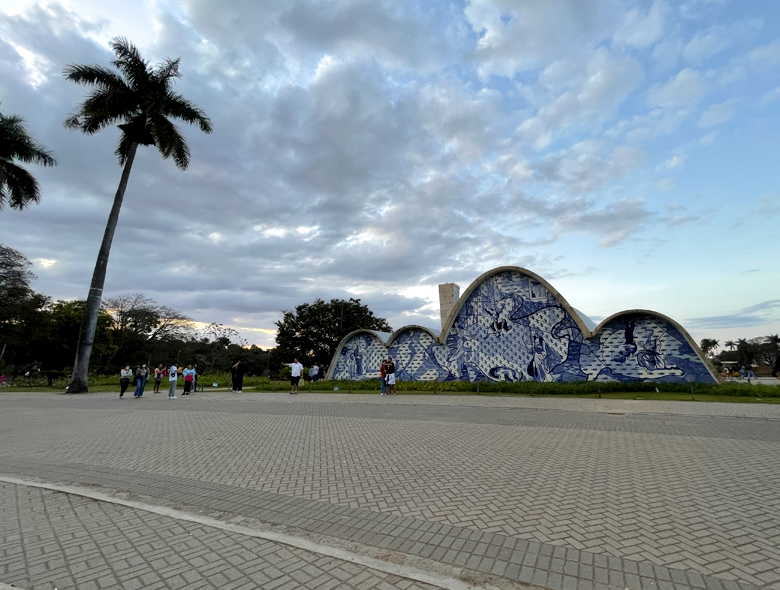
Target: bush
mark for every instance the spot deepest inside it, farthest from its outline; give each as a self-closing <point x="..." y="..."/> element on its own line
<point x="534" y="388"/>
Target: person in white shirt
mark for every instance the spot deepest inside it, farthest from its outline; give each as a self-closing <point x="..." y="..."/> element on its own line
<point x="295" y="375"/>
<point x="124" y="380"/>
<point x="173" y="376"/>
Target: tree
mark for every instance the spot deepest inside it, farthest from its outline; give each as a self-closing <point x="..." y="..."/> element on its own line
<point x="141" y="99"/>
<point x="708" y="345"/>
<point x="313" y="331"/>
<point x="15" y="274"/>
<point x="55" y="350"/>
<point x="145" y="318"/>
<point x="20" y="306"/>
<point x="139" y="322"/>
<point x="773" y="340"/>
<point x="219" y="338"/>
<point x="17" y="186"/>
<point x="730" y="344"/>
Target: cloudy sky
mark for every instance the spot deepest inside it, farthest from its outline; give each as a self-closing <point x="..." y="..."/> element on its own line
<point x="625" y="150"/>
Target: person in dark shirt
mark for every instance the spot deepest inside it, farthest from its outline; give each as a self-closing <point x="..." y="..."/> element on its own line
<point x="390" y="376"/>
<point x="237" y="376"/>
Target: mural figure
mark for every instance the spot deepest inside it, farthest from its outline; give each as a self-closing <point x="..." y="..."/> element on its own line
<point x="511" y="326"/>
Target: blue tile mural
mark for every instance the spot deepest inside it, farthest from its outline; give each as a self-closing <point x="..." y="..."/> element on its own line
<point x="510" y="326"/>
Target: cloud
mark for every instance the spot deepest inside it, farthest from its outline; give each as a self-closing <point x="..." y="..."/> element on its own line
<point x="719" y="113"/>
<point x="515" y="37"/>
<point x="687" y="88"/>
<point x="674" y="162"/>
<point x="362" y="147"/>
<point x="583" y="168"/>
<point x="765" y="57"/>
<point x="592" y="94"/>
<point x="708" y="139"/>
<point x="755" y="315"/>
<point x="767" y="207"/>
<point x="769" y="97"/>
<point x="642" y="28"/>
<point x="614" y="223"/>
<point x="705" y="44"/>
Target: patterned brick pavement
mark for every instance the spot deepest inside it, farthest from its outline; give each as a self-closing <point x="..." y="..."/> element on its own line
<point x="694" y="493"/>
<point x="53" y="540"/>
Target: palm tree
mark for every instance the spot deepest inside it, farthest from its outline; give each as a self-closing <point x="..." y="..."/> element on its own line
<point x="141" y="99"/>
<point x="707" y="345"/>
<point x="730" y="344"/>
<point x="17" y="186"/>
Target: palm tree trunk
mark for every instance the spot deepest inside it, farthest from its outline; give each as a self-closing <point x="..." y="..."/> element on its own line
<point x="78" y="381"/>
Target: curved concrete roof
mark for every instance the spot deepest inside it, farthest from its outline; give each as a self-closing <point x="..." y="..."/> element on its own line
<point x="484" y="276"/>
<point x="584" y="323"/>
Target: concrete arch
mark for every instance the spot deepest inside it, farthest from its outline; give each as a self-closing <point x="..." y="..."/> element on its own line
<point x="485" y="276"/>
<point x="549" y="341"/>
<point x="346" y="340"/>
<point x="666" y="318"/>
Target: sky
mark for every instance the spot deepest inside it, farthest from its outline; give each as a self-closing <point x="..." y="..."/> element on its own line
<point x="624" y="150"/>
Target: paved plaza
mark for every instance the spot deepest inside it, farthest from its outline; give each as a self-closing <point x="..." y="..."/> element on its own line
<point x="358" y="491"/>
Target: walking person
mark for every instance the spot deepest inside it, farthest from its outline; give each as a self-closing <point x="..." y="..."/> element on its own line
<point x="383" y="377"/>
<point x="296" y="370"/>
<point x="124" y="380"/>
<point x="195" y="378"/>
<point x="159" y="371"/>
<point x="237" y="376"/>
<point x="314" y="373"/>
<point x="141" y="377"/>
<point x="390" y="376"/>
<point x="189" y="378"/>
<point x="173" y="376"/>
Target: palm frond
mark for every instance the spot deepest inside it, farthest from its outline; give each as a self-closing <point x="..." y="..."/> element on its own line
<point x="167" y="71"/>
<point x="129" y="61"/>
<point x="16" y="144"/>
<point x="179" y="107"/>
<point x="170" y="142"/>
<point x="18" y="187"/>
<point x="139" y="99"/>
<point x="97" y="76"/>
<point x="122" y="152"/>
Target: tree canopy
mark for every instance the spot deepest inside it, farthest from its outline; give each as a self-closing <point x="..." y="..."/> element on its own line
<point x="131" y="329"/>
<point x="313" y="331"/>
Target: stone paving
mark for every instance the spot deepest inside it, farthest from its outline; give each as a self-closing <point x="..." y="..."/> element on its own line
<point x="687" y="488"/>
<point x="53" y="540"/>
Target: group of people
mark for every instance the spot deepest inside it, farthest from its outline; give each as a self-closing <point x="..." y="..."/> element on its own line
<point x="141" y="376"/>
<point x="387" y="376"/>
<point x="741" y="373"/>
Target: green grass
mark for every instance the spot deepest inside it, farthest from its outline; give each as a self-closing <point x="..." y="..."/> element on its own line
<point x="724" y="392"/>
<point x="733" y="392"/>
